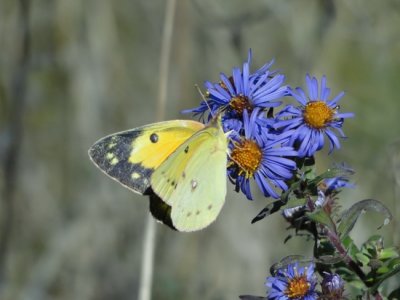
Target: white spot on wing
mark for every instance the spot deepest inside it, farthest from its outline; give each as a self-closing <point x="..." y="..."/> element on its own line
<point x="193" y="184"/>
<point x="135" y="175"/>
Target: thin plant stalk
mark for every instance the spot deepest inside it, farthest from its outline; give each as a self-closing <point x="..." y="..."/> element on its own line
<point x="149" y="243"/>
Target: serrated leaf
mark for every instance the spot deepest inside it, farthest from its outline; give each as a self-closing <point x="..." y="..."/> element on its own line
<point x="293" y="202"/>
<point x="359" y="285"/>
<point x="392" y="271"/>
<point x="321" y="217"/>
<point x="388" y="253"/>
<point x="362" y="258"/>
<point x="382" y="270"/>
<point x="350" y="216"/>
<point x="352" y="249"/>
<point x="268" y="210"/>
<point x="394" y="263"/>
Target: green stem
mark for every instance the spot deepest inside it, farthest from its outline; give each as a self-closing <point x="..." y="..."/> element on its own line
<point x="334" y="239"/>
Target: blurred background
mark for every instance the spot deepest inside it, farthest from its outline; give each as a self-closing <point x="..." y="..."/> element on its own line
<point x="73" y="71"/>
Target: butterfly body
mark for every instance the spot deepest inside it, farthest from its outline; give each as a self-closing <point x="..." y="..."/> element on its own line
<point x="182" y="162"/>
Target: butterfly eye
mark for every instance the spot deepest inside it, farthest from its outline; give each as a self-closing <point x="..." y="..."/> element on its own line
<point x="187" y="149"/>
<point x="154" y="138"/>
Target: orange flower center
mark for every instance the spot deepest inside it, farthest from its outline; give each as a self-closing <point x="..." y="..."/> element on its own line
<point x="247" y="155"/>
<point x="240" y="103"/>
<point x="298" y="287"/>
<point x="317" y="114"/>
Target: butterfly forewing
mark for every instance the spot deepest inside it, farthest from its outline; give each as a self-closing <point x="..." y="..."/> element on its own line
<point x="131" y="156"/>
<point x="192" y="180"/>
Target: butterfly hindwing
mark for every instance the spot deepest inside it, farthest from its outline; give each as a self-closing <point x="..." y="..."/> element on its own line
<point x="130" y="157"/>
<point x="192" y="180"/>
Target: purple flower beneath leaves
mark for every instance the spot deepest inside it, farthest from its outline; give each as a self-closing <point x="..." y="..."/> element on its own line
<point x="243" y="91"/>
<point x="292" y="283"/>
<point x="332" y="287"/>
<point x="253" y="155"/>
<point x="317" y="117"/>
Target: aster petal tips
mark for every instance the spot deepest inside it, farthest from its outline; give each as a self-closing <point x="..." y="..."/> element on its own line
<point x="244" y="90"/>
<point x="315" y="119"/>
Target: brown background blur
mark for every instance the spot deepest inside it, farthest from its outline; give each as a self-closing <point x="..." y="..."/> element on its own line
<point x="73" y="71"/>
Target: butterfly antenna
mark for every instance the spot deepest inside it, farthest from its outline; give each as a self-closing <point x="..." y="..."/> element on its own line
<point x="204" y="99"/>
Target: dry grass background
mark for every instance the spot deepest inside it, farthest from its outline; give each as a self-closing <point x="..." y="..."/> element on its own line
<point x="91" y="68"/>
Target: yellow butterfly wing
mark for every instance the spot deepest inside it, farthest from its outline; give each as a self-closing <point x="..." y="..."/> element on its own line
<point x="130" y="157"/>
<point x="192" y="180"/>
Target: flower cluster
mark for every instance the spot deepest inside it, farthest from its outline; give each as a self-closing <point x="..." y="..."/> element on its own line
<point x="300" y="283"/>
<point x="263" y="147"/>
<point x="274" y="144"/>
<point x="293" y="282"/>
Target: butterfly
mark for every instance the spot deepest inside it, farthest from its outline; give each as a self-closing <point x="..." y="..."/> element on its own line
<point x="180" y="164"/>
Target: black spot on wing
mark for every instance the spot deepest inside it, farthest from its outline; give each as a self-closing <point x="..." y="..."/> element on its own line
<point x="160" y="210"/>
<point x="121" y="169"/>
<point x="154" y="138"/>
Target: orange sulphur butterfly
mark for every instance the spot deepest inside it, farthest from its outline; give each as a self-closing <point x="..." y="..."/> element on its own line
<point x="180" y="162"/>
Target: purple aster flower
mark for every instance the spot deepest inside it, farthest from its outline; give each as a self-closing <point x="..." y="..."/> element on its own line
<point x="332" y="287"/>
<point x="293" y="282"/>
<point x="243" y="91"/>
<point x="315" y="118"/>
<point x="254" y="156"/>
<point x="335" y="183"/>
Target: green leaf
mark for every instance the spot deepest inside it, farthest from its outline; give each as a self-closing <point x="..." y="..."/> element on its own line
<point x="388" y="266"/>
<point x="309" y="169"/>
<point x="394" y="263"/>
<point x="392" y="270"/>
<point x="362" y="258"/>
<point x="268" y="210"/>
<point x="383" y="270"/>
<point x="357" y="284"/>
<point x="350" y="216"/>
<point x="388" y="253"/>
<point x="352" y="249"/>
<point x="292" y="187"/>
<point x="321" y="217"/>
<point x="293" y="202"/>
